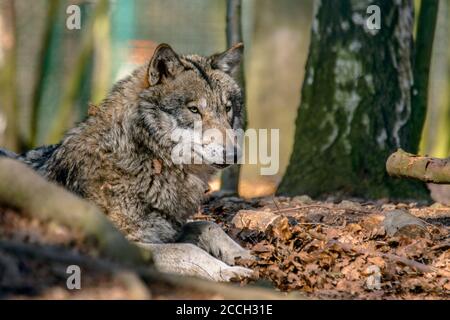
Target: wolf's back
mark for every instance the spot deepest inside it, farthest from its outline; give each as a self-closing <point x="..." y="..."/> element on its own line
<point x="7" y="153"/>
<point x="35" y="158"/>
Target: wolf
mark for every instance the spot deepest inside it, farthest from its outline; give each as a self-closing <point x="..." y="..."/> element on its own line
<point x="120" y="158"/>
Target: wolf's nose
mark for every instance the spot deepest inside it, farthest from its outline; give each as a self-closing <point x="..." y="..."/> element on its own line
<point x="236" y="154"/>
<point x="231" y="155"/>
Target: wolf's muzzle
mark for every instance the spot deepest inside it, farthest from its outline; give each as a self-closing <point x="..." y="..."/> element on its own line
<point x="229" y="158"/>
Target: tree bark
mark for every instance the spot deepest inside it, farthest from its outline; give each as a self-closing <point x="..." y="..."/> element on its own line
<point x="356" y="103"/>
<point x="406" y="165"/>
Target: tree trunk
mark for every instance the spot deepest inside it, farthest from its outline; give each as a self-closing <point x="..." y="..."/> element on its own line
<point x="44" y="68"/>
<point x="436" y="134"/>
<point x="356" y="103"/>
<point x="72" y="88"/>
<point x="8" y="93"/>
<point x="422" y="61"/>
<point x="230" y="176"/>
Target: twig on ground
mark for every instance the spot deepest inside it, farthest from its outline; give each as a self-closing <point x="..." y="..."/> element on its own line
<point x="318" y="206"/>
<point x="411" y="263"/>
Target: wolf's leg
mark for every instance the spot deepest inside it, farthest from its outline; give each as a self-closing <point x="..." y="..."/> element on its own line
<point x="187" y="259"/>
<point x="211" y="238"/>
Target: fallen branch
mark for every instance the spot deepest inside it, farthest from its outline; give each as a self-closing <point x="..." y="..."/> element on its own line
<point x="318" y="206"/>
<point x="406" y="165"/>
<point x="408" y="262"/>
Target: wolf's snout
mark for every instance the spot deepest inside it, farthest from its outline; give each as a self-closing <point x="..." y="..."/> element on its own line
<point x="220" y="156"/>
<point x="232" y="155"/>
<point x="220" y="148"/>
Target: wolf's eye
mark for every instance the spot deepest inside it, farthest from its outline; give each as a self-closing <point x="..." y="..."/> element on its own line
<point x="193" y="109"/>
<point x="228" y="109"/>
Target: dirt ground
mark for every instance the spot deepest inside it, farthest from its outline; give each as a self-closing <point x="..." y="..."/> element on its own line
<point x="330" y="249"/>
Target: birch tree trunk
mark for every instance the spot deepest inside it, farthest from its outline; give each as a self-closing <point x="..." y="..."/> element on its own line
<point x="356" y="103"/>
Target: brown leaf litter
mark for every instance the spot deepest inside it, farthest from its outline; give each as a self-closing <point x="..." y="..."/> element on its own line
<point x="341" y="250"/>
<point x="321" y="248"/>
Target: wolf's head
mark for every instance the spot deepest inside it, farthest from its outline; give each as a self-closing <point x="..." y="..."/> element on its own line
<point x="193" y="104"/>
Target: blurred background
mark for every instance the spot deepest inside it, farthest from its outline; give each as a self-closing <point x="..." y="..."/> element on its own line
<point x="49" y="74"/>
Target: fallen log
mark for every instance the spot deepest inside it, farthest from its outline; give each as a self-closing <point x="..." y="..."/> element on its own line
<point x="406" y="165"/>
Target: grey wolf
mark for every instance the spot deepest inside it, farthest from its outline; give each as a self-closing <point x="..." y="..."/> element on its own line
<point x="120" y="158"/>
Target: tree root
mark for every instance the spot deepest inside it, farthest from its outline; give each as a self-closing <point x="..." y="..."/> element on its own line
<point x="147" y="274"/>
<point x="23" y="189"/>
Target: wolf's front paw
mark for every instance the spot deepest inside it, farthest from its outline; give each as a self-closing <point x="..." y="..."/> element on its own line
<point x="229" y="256"/>
<point x="229" y="273"/>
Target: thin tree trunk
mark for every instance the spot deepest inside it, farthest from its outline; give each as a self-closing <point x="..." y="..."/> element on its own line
<point x="424" y="46"/>
<point x="72" y="88"/>
<point x="436" y="133"/>
<point x="230" y="176"/>
<point x="102" y="54"/>
<point x="43" y="65"/>
<point x="356" y="103"/>
<point x="8" y="78"/>
<point x="448" y="108"/>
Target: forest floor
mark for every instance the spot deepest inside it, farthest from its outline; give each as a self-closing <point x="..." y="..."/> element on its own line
<point x="321" y="249"/>
<point x="341" y="250"/>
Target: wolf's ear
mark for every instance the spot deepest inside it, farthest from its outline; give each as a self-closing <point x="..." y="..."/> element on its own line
<point x="164" y="64"/>
<point x="228" y="61"/>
